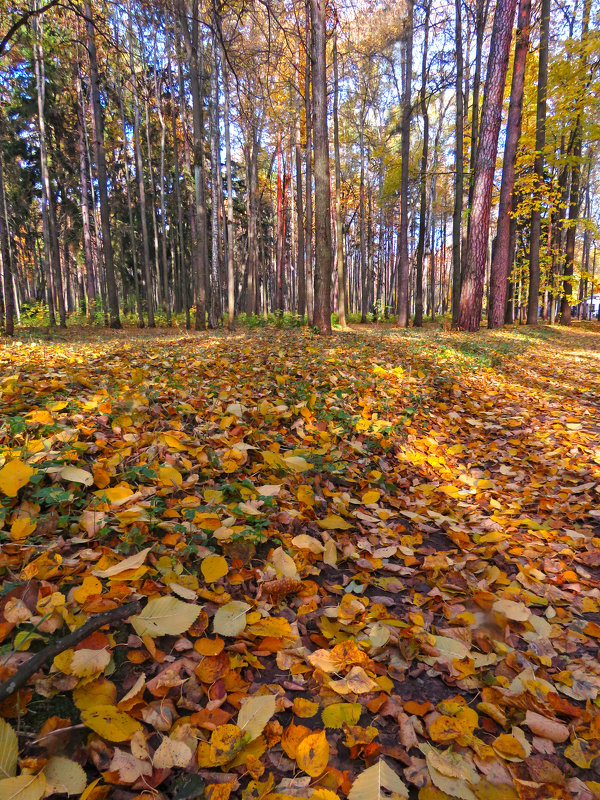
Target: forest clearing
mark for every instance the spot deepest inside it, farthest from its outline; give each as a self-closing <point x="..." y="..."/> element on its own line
<point x="299" y="399"/>
<point x="358" y="563"/>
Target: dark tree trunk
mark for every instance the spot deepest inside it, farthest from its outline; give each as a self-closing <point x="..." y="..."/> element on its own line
<point x="308" y="236"/>
<point x="139" y="174"/>
<point x="540" y="143"/>
<point x="459" y="167"/>
<point x="100" y="155"/>
<point x="500" y="260"/>
<point x="403" y="260"/>
<point x="90" y="286"/>
<point x="423" y="177"/>
<point x="471" y="297"/>
<point x="230" y="259"/>
<point x="300" y="221"/>
<point x="362" y="210"/>
<point x="574" y="198"/>
<point x="339" y="228"/>
<point x="322" y="278"/>
<point x="9" y="296"/>
<point x="191" y="35"/>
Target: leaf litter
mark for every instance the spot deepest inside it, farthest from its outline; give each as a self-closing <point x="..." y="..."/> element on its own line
<point x="368" y="567"/>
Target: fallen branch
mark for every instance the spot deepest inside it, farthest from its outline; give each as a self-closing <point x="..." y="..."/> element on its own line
<point x="37" y="661"/>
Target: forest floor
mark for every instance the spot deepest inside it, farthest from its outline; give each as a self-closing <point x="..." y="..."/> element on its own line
<point x="373" y="555"/>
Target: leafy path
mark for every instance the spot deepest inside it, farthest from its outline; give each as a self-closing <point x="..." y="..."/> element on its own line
<point x="368" y="556"/>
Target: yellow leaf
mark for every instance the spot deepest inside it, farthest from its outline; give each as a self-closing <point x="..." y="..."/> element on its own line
<point x="21" y="528"/>
<point x="509" y="747"/>
<point x="117" y="495"/>
<point x="214" y="568"/>
<point x="305" y="495"/>
<point x="312" y="754"/>
<point x="9" y="750"/>
<point x="255" y="713"/>
<point x="304" y="708"/>
<point x="64" y="776"/>
<point x="165" y="616"/>
<point x="110" y="722"/>
<point x="277" y="627"/>
<point x="356" y="682"/>
<point x="87" y="663"/>
<point x="89" y="588"/>
<point x="330" y="553"/>
<point x="172" y="753"/>
<point x="339" y="714"/>
<point x="369" y="783"/>
<point x="230" y="619"/>
<point x="13" y="476"/>
<point x="582" y="753"/>
<point x="334" y="522"/>
<point x="297" y="463"/>
<point x="76" y="475"/>
<point x="25" y="787"/>
<point x="100" y="692"/>
<point x="225" y="743"/>
<point x="284" y="564"/>
<point x="169" y="476"/>
<point x="133" y="562"/>
<point x="305" y="542"/>
<point x="517" y="612"/>
<point x="372" y="496"/>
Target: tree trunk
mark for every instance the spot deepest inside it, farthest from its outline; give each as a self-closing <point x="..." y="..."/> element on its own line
<point x="500" y="259"/>
<point x="9" y="297"/>
<point x="100" y="155"/>
<point x="230" y="259"/>
<point x="132" y="236"/>
<point x="403" y="260"/>
<point x="139" y="174"/>
<point x="339" y="238"/>
<point x="215" y="182"/>
<point x="491" y="116"/>
<point x="423" y="177"/>
<point x="90" y="287"/>
<point x="300" y="221"/>
<point x="481" y="13"/>
<point x="308" y="237"/>
<point x="279" y="232"/>
<point x="459" y="174"/>
<point x="163" y="207"/>
<point x="574" y="198"/>
<point x="49" y="218"/>
<point x="322" y="277"/>
<point x="362" y="210"/>
<point x="540" y="143"/>
<point x="191" y="37"/>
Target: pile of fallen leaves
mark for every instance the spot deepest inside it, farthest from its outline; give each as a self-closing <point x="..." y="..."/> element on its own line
<point x="366" y="566"/>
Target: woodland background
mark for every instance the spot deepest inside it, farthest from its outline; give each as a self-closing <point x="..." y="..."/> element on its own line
<point x="200" y="161"/>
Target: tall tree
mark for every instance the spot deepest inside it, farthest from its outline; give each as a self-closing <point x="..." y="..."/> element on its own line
<point x="51" y="244"/>
<point x="423" y="175"/>
<point x="322" y="277"/>
<point x="540" y="144"/>
<point x="458" y="169"/>
<point x="339" y="226"/>
<point x="471" y="296"/>
<point x="403" y="259"/>
<point x="139" y="175"/>
<point x="501" y="256"/>
<point x="7" y="277"/>
<point x="575" y="193"/>
<point x="100" y="157"/>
